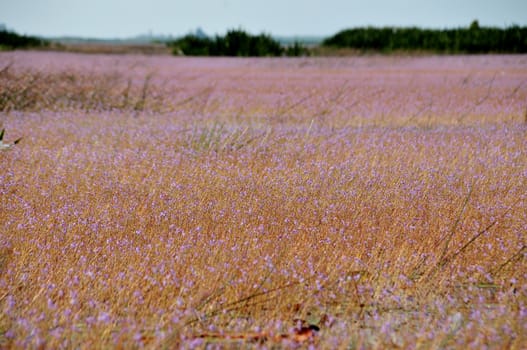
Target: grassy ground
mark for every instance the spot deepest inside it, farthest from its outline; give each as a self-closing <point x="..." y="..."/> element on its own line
<point x="166" y="202"/>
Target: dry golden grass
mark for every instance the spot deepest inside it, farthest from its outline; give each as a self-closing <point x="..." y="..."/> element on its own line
<point x="256" y="196"/>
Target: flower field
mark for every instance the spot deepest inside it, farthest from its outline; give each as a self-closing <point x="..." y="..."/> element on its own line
<point x="176" y="202"/>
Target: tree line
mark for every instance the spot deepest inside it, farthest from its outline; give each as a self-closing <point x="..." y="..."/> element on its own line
<point x="11" y="40"/>
<point x="474" y="39"/>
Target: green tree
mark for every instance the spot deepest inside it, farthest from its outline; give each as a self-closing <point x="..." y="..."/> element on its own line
<point x="474" y="39"/>
<point x="234" y="43"/>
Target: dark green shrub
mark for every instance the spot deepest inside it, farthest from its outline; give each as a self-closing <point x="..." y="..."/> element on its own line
<point x="11" y="40"/>
<point x="234" y="43"/>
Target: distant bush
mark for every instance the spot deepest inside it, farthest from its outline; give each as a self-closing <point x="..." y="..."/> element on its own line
<point x="11" y="40"/>
<point x="234" y="43"/>
<point x="474" y="39"/>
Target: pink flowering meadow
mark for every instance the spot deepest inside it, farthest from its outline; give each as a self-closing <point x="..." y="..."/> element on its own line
<point x="170" y="202"/>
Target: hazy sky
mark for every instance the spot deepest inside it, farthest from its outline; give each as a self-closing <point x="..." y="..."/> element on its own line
<point x="126" y="18"/>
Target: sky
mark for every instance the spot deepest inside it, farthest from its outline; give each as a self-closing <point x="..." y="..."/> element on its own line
<point x="129" y="18"/>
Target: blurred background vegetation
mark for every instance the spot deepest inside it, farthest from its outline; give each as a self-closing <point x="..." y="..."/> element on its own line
<point x="473" y="39"/>
<point x="234" y="43"/>
<point x="10" y="40"/>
